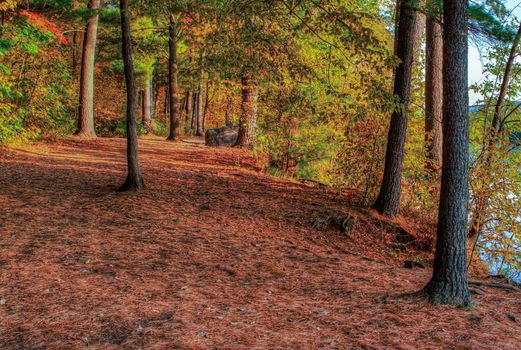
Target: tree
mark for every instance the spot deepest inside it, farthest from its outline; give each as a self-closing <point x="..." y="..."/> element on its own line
<point x="199" y="100"/>
<point x="188" y="110"/>
<point x="449" y="280"/>
<point x="388" y="201"/>
<point x="433" y="93"/>
<point x="248" y="118"/>
<point x="86" y="110"/>
<point x="228" y="111"/>
<point x="478" y="219"/>
<point x="134" y="180"/>
<point x="172" y="79"/>
<point x="146" y="99"/>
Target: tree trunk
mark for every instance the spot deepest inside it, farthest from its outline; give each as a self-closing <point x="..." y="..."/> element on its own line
<point x="165" y="105"/>
<point x="206" y="104"/>
<point x="188" y="105"/>
<point x="74" y="63"/>
<point x="229" y="110"/>
<point x="172" y="78"/>
<point x="199" y="124"/>
<point x="147" y="107"/>
<point x="134" y="180"/>
<point x="248" y="119"/>
<point x="188" y="111"/>
<point x="194" y="111"/>
<point x="86" y="110"/>
<point x="433" y="95"/>
<point x="496" y="120"/>
<point x="199" y="120"/>
<point x="449" y="283"/>
<point x="388" y="201"/>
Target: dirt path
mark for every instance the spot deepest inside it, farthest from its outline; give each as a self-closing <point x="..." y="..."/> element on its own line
<point x="213" y="254"/>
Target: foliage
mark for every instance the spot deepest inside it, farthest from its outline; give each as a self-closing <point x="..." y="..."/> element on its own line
<point x="35" y="82"/>
<point x="495" y="176"/>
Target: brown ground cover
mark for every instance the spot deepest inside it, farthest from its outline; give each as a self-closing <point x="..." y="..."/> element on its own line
<point x="212" y="254"/>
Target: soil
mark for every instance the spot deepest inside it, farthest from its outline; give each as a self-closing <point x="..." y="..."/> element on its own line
<point x="212" y="254"/>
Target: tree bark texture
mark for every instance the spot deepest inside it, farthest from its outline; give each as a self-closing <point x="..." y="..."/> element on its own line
<point x="449" y="283"/>
<point x="433" y="94"/>
<point x="86" y="109"/>
<point x="134" y="181"/>
<point x="248" y="118"/>
<point x="172" y="79"/>
<point x="388" y="201"/>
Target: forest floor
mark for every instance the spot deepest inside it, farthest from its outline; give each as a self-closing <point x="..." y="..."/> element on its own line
<point x="212" y="254"/>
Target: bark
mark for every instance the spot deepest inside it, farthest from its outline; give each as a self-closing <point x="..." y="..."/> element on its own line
<point x="433" y="95"/>
<point x="449" y="284"/>
<point x="86" y="110"/>
<point x="388" y="201"/>
<point x="248" y="119"/>
<point x="172" y="79"/>
<point x="134" y="180"/>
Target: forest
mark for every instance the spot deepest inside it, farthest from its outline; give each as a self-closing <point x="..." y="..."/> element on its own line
<point x="260" y="174"/>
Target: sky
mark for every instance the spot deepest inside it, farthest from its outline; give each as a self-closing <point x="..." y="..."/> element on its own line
<point x="475" y="63"/>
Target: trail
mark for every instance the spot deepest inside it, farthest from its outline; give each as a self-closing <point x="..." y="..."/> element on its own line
<point x="212" y="254"/>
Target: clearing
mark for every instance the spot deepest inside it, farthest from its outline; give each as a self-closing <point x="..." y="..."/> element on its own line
<point x="212" y="254"/>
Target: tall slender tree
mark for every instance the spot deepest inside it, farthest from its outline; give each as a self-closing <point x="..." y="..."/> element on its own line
<point x="172" y="79"/>
<point x="199" y="101"/>
<point x="388" y="201"/>
<point x="449" y="283"/>
<point x="134" y="180"/>
<point x="146" y="95"/>
<point x="86" y="110"/>
<point x="433" y="93"/>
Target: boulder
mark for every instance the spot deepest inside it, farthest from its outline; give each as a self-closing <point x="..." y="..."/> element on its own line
<point x="225" y="136"/>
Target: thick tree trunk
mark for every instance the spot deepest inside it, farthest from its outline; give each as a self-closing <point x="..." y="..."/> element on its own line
<point x="134" y="180"/>
<point x="147" y="107"/>
<point x="248" y="119"/>
<point x="172" y="78"/>
<point x="388" y="201"/>
<point x="229" y="110"/>
<point x="449" y="283"/>
<point x="86" y="110"/>
<point x="433" y="94"/>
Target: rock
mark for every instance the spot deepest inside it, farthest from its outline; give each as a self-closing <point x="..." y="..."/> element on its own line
<point x="342" y="223"/>
<point x="410" y="264"/>
<point x="225" y="136"/>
